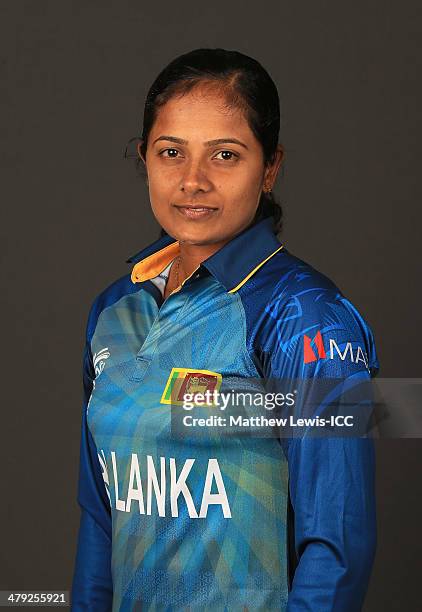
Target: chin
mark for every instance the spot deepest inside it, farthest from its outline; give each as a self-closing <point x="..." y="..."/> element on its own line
<point x="196" y="235"/>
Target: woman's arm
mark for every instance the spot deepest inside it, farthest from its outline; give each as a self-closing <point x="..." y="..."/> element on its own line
<point x="333" y="498"/>
<point x="92" y="582"/>
<point x="321" y="340"/>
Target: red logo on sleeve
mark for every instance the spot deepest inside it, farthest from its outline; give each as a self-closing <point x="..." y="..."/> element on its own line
<point x="308" y="352"/>
<point x="314" y="349"/>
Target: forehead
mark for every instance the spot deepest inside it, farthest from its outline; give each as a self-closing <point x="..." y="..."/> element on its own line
<point x="201" y="113"/>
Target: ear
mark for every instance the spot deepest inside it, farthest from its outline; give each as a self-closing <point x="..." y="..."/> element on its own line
<point x="138" y="149"/>
<point x="273" y="169"/>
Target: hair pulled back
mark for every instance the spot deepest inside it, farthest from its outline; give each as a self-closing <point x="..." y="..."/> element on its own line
<point x="243" y="83"/>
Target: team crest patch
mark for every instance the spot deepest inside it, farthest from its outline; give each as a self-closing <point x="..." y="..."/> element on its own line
<point x="183" y="381"/>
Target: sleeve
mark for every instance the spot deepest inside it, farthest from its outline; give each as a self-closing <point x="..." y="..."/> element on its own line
<point x="331" y="479"/>
<point x="92" y="581"/>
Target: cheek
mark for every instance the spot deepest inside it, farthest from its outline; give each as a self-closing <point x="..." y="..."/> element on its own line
<point x="164" y="184"/>
<point x="232" y="189"/>
<point x="243" y="197"/>
<point x="159" y="199"/>
<point x="160" y="189"/>
<point x="246" y="183"/>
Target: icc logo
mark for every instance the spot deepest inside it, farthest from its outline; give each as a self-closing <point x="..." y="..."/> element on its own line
<point x="99" y="360"/>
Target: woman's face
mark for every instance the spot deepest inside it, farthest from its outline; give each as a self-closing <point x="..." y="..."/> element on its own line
<point x="203" y="154"/>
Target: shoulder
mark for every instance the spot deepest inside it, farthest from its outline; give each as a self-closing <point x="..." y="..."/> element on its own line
<point x="287" y="287"/>
<point x="110" y="295"/>
<point x="296" y="311"/>
<point x="298" y="291"/>
<point x="301" y="292"/>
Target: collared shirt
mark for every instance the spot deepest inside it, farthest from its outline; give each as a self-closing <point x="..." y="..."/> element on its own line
<point x="161" y="279"/>
<point x="228" y="516"/>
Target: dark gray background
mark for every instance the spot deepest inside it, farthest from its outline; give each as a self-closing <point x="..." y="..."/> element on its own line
<point x="74" y="77"/>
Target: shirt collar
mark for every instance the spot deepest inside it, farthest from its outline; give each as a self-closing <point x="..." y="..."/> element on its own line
<point x="232" y="265"/>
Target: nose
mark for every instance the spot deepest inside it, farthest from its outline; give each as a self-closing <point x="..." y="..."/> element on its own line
<point x="194" y="179"/>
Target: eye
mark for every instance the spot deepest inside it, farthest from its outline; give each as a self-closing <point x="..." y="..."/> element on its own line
<point x="230" y="153"/>
<point x="170" y="150"/>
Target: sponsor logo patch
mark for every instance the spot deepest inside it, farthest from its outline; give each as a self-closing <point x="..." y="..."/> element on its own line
<point x="315" y="349"/>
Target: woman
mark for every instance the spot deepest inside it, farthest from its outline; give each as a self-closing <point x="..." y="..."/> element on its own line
<point x="208" y="519"/>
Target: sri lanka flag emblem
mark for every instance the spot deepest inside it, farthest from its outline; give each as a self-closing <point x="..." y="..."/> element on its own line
<point x="185" y="381"/>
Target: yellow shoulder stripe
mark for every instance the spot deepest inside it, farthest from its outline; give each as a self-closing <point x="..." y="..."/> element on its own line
<point x="254" y="270"/>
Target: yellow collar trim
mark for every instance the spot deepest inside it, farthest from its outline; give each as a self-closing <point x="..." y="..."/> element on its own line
<point x="155" y="263"/>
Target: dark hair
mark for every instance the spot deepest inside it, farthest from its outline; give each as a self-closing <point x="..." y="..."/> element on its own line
<point x="244" y="83"/>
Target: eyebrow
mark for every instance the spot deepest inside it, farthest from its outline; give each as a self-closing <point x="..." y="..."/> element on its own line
<point x="208" y="143"/>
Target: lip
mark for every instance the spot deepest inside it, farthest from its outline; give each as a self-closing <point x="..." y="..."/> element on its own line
<point x="189" y="212"/>
<point x="198" y="205"/>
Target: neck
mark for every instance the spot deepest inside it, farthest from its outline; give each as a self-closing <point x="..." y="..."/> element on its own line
<point x="192" y="255"/>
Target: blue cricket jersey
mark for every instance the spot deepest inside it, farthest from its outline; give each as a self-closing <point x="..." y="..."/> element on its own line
<point x="220" y="522"/>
